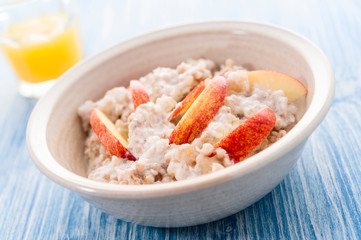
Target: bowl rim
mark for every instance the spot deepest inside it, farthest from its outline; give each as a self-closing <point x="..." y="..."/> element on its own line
<point x="317" y="110"/>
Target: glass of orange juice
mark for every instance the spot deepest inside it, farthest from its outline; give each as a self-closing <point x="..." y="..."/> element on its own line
<point x="41" y="40"/>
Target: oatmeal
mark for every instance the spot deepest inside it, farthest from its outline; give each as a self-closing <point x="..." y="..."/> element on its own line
<point x="180" y="123"/>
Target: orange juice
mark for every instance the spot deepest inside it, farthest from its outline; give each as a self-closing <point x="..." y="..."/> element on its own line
<point x="42" y="48"/>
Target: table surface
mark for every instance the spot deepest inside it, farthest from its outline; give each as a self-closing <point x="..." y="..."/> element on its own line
<point x="321" y="196"/>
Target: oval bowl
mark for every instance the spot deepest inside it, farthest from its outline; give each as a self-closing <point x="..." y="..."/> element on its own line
<point x="56" y="141"/>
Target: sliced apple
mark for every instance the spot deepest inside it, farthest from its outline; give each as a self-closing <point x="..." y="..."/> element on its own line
<point x="109" y="137"/>
<point x="183" y="106"/>
<point x="201" y="112"/>
<point x="273" y="80"/>
<point x="247" y="136"/>
<point x="139" y="95"/>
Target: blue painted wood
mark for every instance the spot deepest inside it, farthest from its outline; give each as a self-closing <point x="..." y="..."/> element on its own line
<point x="319" y="199"/>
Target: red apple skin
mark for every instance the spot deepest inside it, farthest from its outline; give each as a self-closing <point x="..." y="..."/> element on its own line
<point x="107" y="137"/>
<point x="187" y="101"/>
<point x="247" y="136"/>
<point x="139" y="95"/>
<point x="201" y="112"/>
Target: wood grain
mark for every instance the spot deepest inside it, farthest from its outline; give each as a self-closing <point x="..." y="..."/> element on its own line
<point x="319" y="199"/>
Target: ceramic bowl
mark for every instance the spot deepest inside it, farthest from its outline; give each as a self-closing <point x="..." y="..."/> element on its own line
<point x="55" y="138"/>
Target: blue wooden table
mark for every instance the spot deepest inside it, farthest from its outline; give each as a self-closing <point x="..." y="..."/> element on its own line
<point x="321" y="196"/>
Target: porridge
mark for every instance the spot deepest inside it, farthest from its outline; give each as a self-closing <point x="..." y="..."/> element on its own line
<point x="179" y="123"/>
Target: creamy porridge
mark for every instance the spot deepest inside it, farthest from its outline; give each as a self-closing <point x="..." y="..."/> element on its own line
<point x="167" y="133"/>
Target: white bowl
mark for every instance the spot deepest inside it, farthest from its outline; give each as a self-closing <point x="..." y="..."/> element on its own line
<point x="55" y="137"/>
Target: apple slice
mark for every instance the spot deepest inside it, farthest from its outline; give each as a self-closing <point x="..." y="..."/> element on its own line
<point x="201" y="112"/>
<point x="108" y="135"/>
<point x="187" y="101"/>
<point x="273" y="80"/>
<point x="247" y="136"/>
<point x="139" y="95"/>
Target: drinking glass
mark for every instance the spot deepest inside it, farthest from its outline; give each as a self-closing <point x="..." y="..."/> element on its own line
<point x="41" y="40"/>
